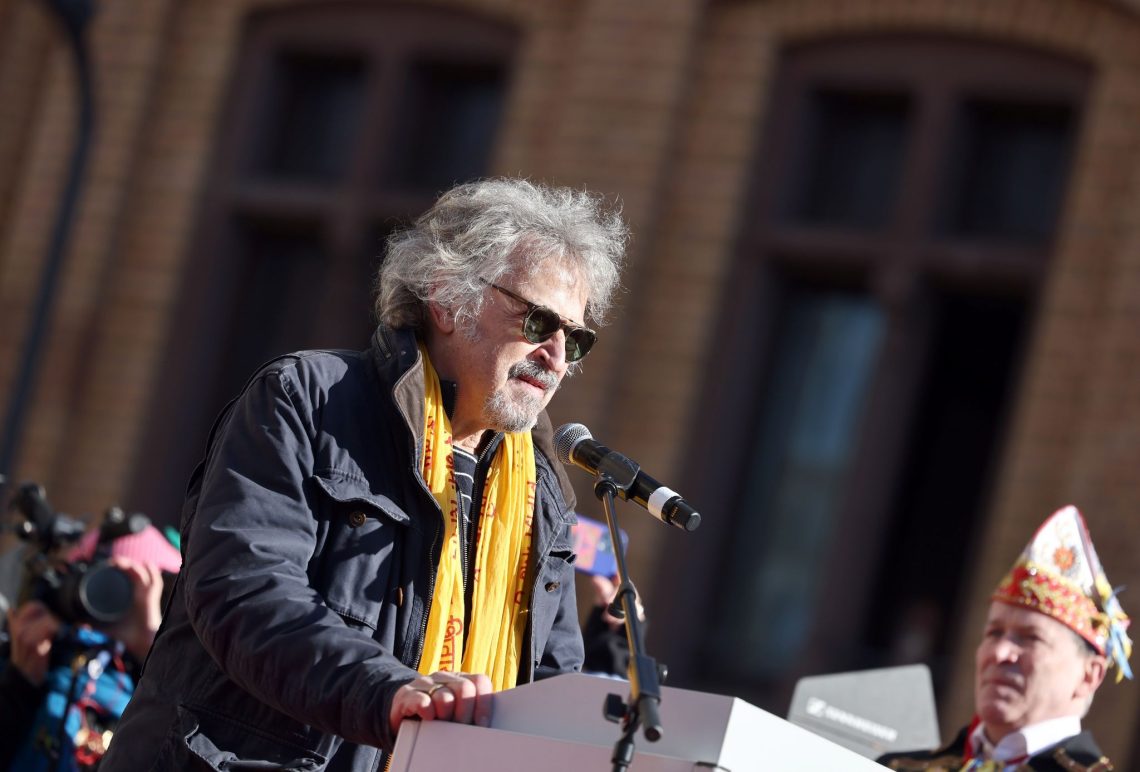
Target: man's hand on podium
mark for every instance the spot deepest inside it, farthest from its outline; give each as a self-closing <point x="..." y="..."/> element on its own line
<point x="461" y="697"/>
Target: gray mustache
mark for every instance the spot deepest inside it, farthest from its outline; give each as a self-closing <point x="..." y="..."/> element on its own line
<point x="534" y="371"/>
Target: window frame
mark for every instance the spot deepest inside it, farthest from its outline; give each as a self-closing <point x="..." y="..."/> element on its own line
<point x="347" y="214"/>
<point x="900" y="265"/>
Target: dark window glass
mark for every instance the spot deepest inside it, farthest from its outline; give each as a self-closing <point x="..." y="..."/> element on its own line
<point x="828" y="349"/>
<point x="281" y="268"/>
<point x="360" y="294"/>
<point x="949" y="460"/>
<point x="1008" y="180"/>
<point x="853" y="159"/>
<point x="314" y="117"/>
<point x="450" y="115"/>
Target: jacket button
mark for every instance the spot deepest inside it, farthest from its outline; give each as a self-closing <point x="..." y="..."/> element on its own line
<point x="357" y="518"/>
<point x="399" y="597"/>
<point x="552" y="586"/>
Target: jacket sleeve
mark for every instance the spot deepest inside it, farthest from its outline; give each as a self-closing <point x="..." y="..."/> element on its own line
<point x="248" y="593"/>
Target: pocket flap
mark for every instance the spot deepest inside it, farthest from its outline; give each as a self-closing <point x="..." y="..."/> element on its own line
<point x="352" y="490"/>
<point x="262" y="754"/>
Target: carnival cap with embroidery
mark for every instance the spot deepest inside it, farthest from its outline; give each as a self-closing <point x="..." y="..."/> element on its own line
<point x="1059" y="575"/>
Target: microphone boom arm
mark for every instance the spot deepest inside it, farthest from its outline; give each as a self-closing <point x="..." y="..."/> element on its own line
<point x="641" y="710"/>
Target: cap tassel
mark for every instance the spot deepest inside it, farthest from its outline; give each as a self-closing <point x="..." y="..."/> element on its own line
<point x="1119" y="645"/>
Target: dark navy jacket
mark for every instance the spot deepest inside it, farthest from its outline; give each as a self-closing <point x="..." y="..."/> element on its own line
<point x="310" y="543"/>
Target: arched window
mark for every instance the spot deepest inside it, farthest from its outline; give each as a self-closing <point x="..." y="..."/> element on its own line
<point x="905" y="200"/>
<point x="343" y="120"/>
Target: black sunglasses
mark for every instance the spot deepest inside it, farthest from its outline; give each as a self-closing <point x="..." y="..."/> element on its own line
<point x="540" y="323"/>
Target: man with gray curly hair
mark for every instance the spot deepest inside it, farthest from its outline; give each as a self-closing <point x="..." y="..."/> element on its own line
<point x="488" y="236"/>
<point x="380" y="535"/>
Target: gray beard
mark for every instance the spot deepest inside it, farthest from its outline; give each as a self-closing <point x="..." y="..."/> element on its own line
<point x="505" y="413"/>
<point x="508" y="415"/>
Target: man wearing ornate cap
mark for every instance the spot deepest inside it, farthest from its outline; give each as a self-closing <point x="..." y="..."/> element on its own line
<point x="1054" y="627"/>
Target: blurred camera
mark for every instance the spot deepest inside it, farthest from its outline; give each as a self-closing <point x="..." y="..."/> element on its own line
<point x="82" y="591"/>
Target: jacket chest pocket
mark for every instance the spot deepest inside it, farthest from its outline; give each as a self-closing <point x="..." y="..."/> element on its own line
<point x="554" y="575"/>
<point x="357" y="567"/>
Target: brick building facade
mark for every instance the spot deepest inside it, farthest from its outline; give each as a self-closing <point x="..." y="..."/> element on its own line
<point x="703" y="117"/>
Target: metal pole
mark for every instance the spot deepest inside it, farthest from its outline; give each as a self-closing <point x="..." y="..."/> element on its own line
<point x="74" y="16"/>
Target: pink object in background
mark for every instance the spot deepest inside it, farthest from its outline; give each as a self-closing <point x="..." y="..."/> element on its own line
<point x="591" y="541"/>
<point x="147" y="546"/>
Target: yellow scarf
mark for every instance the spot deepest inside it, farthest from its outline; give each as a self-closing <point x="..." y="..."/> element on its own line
<point x="493" y="644"/>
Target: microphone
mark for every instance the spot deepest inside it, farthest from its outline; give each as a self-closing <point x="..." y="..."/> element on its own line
<point x="575" y="445"/>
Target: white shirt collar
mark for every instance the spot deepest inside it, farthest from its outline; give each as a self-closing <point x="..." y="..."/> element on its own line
<point x="1027" y="741"/>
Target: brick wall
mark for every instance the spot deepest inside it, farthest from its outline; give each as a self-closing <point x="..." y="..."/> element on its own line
<point x="661" y="103"/>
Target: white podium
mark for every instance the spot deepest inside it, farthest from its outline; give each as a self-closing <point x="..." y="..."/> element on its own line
<point x="557" y="726"/>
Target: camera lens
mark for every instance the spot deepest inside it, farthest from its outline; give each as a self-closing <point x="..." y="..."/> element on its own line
<point x="104" y="594"/>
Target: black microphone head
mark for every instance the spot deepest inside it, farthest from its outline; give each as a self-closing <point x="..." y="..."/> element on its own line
<point x="566" y="437"/>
